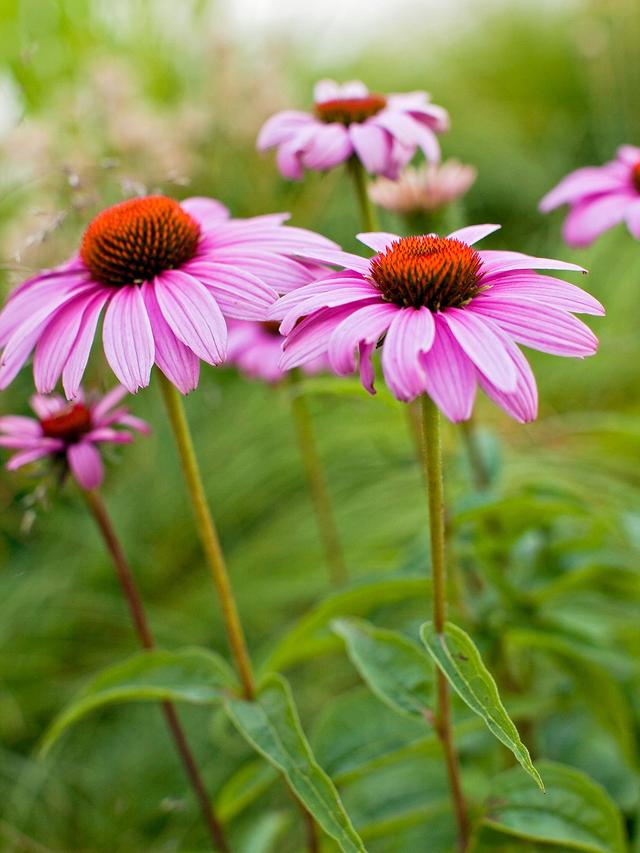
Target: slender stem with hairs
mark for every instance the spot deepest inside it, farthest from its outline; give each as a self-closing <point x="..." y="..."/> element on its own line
<point x="316" y="481"/>
<point x="432" y="462"/>
<point x="360" y="182"/>
<point x="132" y="596"/>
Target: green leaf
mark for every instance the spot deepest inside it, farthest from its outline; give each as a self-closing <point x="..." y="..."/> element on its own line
<point x="395" y="669"/>
<point x="311" y="635"/>
<point x="575" y="813"/>
<point x="243" y="787"/>
<point x="196" y="676"/>
<point x="272" y="726"/>
<point x="460" y="661"/>
<point x="264" y="832"/>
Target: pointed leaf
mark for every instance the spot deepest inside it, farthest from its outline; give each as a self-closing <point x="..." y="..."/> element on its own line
<point x="272" y="727"/>
<point x="243" y="787"/>
<point x="575" y="813"/>
<point x="460" y="661"/>
<point x="196" y="676"/>
<point x="395" y="669"/>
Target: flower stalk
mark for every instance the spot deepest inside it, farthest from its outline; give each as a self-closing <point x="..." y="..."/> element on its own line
<point x="316" y="481"/>
<point x="361" y="186"/>
<point x="98" y="510"/>
<point x="208" y="535"/>
<point x="432" y="462"/>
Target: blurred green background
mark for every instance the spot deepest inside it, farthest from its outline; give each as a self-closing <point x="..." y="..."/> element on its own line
<point x="107" y="99"/>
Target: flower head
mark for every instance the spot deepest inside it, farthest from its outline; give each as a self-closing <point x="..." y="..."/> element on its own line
<point x="599" y="197"/>
<point x="255" y="348"/>
<point x="166" y="275"/>
<point x="447" y="318"/>
<point x="383" y="131"/>
<point x="426" y="188"/>
<point x="70" y="432"/>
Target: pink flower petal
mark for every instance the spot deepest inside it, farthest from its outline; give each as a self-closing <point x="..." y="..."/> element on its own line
<point x="86" y="465"/>
<point x="367" y="372"/>
<point x="206" y="211"/>
<point x="377" y="240"/>
<point x="46" y="406"/>
<point x="483" y="346"/>
<point x="546" y="289"/>
<point x="589" y="181"/>
<point x="237" y="293"/>
<point x="26" y="457"/>
<point x="20" y="426"/>
<point x="56" y="342"/>
<point x="400" y="125"/>
<point x="410" y="334"/>
<point x="310" y="337"/>
<point x="329" y="145"/>
<point x="108" y="402"/>
<point x="472" y="233"/>
<point x="522" y="404"/>
<point x="280" y="127"/>
<point x="193" y="314"/>
<point x="633" y="219"/>
<point x="364" y="325"/>
<point x="128" y="339"/>
<point x="629" y="155"/>
<point x="450" y="377"/>
<point x="179" y="364"/>
<point x="329" y="299"/>
<point x="76" y="363"/>
<point x="278" y="271"/>
<point x="500" y="262"/>
<point x="538" y="326"/>
<point x="372" y="145"/>
<point x="592" y="217"/>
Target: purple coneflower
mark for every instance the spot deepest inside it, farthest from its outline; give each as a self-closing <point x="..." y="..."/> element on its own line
<point x="166" y="275"/>
<point x="70" y="432"/>
<point x="426" y="188"/>
<point x="446" y="317"/>
<point x="599" y="197"/>
<point x="382" y="131"/>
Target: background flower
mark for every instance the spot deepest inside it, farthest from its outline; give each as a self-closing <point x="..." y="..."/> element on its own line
<point x="166" y="275"/>
<point x="70" y="432"/>
<point x="599" y="197"/>
<point x="383" y="131"/>
<point x="255" y="348"/>
<point x="428" y="187"/>
<point x="447" y="318"/>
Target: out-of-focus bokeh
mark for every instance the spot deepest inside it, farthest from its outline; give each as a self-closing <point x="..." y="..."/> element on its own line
<point x="107" y="99"/>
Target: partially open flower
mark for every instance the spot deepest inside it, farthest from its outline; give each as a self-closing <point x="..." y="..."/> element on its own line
<point x="599" y="197"/>
<point x="256" y="349"/>
<point x="446" y="317"/>
<point x="166" y="275"/>
<point x="426" y="188"/>
<point x="70" y="433"/>
<point x="383" y="131"/>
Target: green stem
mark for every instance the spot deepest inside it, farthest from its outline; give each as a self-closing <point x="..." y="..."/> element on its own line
<point x="360" y="182"/>
<point x="208" y="535"/>
<point x="133" y="598"/>
<point x="213" y="552"/>
<point x="316" y="481"/>
<point x="432" y="462"/>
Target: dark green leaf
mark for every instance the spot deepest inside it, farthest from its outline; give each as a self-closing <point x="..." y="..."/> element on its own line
<point x="272" y="726"/>
<point x="458" y="658"/>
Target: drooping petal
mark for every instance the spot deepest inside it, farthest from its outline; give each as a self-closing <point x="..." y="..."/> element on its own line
<point x="26" y="457"/>
<point x="79" y="355"/>
<point x="20" y="426"/>
<point x="310" y="337"/>
<point x="410" y="334"/>
<point x="633" y="219"/>
<point x="193" y="314"/>
<point x="538" y="326"/>
<point x="483" y="346"/>
<point x="55" y="344"/>
<point x="179" y="364"/>
<point x="128" y="339"/>
<point x="280" y="127"/>
<point x="589" y="181"/>
<point x="364" y="325"/>
<point x="238" y="293"/>
<point x="372" y="144"/>
<point x="329" y="145"/>
<point x="400" y="125"/>
<point x="546" y="289"/>
<point x="356" y="296"/>
<point x="85" y="463"/>
<point x="18" y="350"/>
<point x="591" y="218"/>
<point x="495" y="262"/>
<point x="367" y="371"/>
<point x="629" y="155"/>
<point x="522" y="404"/>
<point x="450" y="377"/>
<point x="278" y="271"/>
<point x="110" y="400"/>
<point x="46" y="406"/>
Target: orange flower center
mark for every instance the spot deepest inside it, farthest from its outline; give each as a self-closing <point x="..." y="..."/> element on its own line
<point x="436" y="272"/>
<point x="635" y="176"/>
<point x="69" y="424"/>
<point x="133" y="241"/>
<point x="350" y="110"/>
